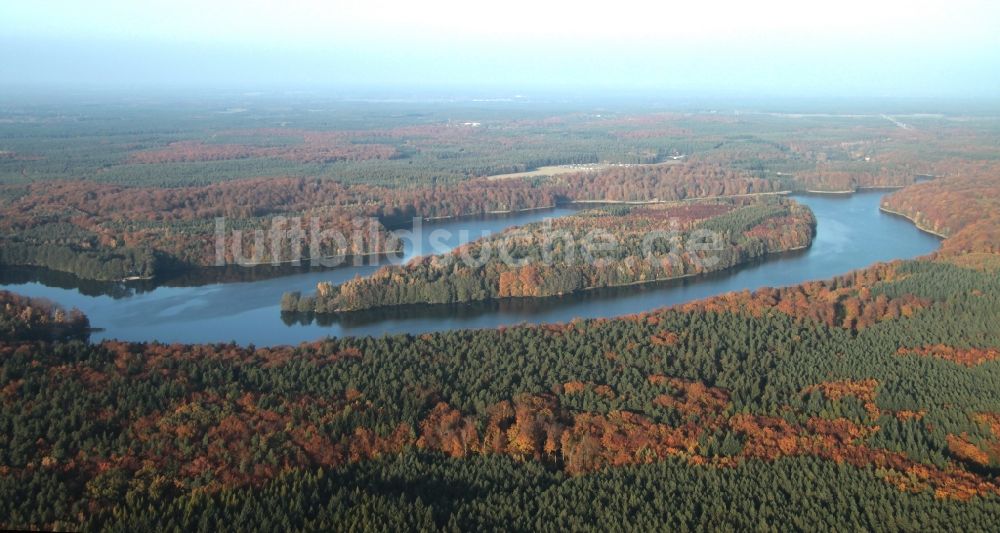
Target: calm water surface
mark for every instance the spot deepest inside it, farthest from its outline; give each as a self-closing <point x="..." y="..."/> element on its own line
<point x="851" y="233"/>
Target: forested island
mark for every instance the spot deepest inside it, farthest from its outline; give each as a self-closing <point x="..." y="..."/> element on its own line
<point x="606" y="247"/>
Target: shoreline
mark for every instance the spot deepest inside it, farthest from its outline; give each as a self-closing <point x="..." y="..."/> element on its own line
<point x="364" y="324"/>
<point x="292" y="262"/>
<point x="913" y="221"/>
<point x="655" y="201"/>
<point x="522" y="210"/>
<point x="163" y="278"/>
<point x="551" y="171"/>
<point x="692" y="199"/>
<point x="487" y="213"/>
<point x="883" y="187"/>
<point x="832" y="193"/>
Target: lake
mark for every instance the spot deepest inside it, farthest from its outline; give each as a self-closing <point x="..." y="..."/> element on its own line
<point x="211" y="307"/>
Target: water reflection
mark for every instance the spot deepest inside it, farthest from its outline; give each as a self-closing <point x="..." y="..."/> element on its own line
<point x="12" y="276"/>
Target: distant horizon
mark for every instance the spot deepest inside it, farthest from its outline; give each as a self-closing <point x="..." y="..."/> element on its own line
<point x="578" y="98"/>
<point x="774" y="48"/>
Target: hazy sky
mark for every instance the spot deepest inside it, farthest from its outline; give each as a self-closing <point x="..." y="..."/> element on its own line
<point x="847" y="47"/>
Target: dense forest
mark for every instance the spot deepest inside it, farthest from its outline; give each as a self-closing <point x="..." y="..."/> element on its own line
<point x="866" y="402"/>
<point x="608" y="247"/>
<point x="863" y="402"/>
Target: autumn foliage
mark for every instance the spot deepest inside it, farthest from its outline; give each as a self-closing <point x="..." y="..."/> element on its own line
<point x="963" y="356"/>
<point x="846" y="301"/>
<point x="863" y="390"/>
<point x="965" y="207"/>
<point x="175" y="225"/>
<point x="661" y="182"/>
<point x="613" y="246"/>
<point x="537" y="428"/>
<point x="23" y="318"/>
